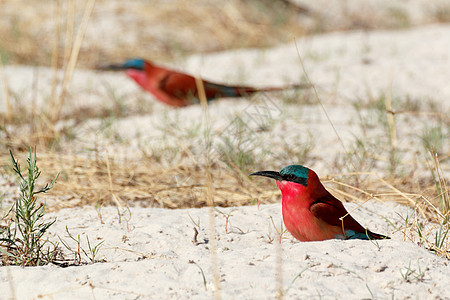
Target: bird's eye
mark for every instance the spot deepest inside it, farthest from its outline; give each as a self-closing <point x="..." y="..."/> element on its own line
<point x="290" y="177"/>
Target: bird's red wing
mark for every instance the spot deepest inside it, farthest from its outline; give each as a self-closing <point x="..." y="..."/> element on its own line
<point x="329" y="210"/>
<point x="181" y="85"/>
<point x="178" y="85"/>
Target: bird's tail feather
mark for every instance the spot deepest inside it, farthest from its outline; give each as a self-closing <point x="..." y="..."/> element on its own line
<point x="376" y="236"/>
<point x="250" y="90"/>
<point x="213" y="90"/>
<point x="367" y="235"/>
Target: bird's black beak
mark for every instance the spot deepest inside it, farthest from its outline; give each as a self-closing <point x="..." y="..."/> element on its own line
<point x="112" y="67"/>
<point x="270" y="174"/>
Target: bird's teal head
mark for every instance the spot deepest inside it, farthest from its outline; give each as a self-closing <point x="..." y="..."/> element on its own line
<point x="135" y="64"/>
<point x="293" y="173"/>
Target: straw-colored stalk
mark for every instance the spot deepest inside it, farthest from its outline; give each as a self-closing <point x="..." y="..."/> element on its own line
<point x="9" y="108"/>
<point x="209" y="189"/>
<point x="390" y="118"/>
<point x="56" y="111"/>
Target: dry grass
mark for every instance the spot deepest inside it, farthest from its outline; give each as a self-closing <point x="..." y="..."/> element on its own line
<point x="91" y="181"/>
<point x="135" y="28"/>
<point x="159" y="31"/>
<point x="86" y="181"/>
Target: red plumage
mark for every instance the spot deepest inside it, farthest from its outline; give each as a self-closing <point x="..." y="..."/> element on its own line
<point x="310" y="212"/>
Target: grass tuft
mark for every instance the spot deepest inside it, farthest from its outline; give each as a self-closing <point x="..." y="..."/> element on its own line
<point x="23" y="236"/>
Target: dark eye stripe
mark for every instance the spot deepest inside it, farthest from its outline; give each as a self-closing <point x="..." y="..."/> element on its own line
<point x="301" y="180"/>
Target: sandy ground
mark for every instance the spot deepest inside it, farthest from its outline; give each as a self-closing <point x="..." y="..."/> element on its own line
<point x="150" y="254"/>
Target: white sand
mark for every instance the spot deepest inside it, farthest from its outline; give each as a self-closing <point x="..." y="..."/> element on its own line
<point x="346" y="67"/>
<point x="149" y="257"/>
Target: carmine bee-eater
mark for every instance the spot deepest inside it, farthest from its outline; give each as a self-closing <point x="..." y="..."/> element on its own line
<point x="179" y="89"/>
<point x="310" y="212"/>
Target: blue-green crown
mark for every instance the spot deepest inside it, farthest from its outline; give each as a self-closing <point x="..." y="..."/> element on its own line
<point x="136" y="63"/>
<point x="296" y="173"/>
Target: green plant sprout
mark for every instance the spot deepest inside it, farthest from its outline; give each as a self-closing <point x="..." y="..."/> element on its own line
<point x="23" y="235"/>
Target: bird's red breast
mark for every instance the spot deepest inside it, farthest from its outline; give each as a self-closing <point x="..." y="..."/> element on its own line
<point x="138" y="76"/>
<point x="167" y="86"/>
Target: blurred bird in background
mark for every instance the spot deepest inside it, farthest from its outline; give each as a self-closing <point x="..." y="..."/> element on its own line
<point x="179" y="89"/>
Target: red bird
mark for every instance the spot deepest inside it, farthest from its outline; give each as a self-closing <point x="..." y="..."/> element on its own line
<point x="179" y="89"/>
<point x="310" y="212"/>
